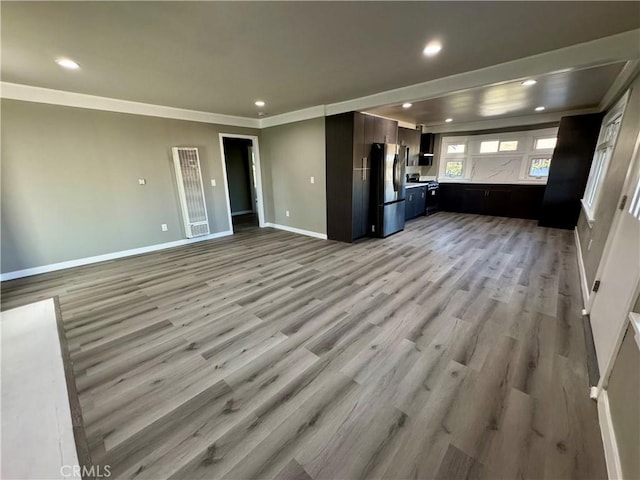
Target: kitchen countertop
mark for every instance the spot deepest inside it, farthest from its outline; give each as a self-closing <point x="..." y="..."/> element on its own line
<point x="416" y="184"/>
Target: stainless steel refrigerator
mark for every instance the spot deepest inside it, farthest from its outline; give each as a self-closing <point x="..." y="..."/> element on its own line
<point x="387" y="190"/>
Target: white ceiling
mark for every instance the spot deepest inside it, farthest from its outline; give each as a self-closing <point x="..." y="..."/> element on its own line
<point x="222" y="56"/>
<point x="558" y="92"/>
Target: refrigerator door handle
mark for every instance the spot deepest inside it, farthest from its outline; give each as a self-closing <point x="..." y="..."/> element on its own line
<point x="395" y="174"/>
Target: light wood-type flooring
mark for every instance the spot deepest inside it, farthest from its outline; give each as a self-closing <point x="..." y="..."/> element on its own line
<point x="453" y="349"/>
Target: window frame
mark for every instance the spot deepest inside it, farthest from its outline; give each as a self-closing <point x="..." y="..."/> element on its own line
<point x="604" y="152"/>
<point x="535" y="149"/>
<point x="457" y="160"/>
<point x="472" y="156"/>
<point x="538" y="157"/>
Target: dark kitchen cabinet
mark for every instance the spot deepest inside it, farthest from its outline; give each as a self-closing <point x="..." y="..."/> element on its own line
<point x="386" y="130"/>
<point x="410" y="138"/>
<point x="498" y="201"/>
<point x="415" y="202"/>
<point x="569" y="171"/>
<point x="516" y="201"/>
<point x="474" y="200"/>
<point x="348" y="138"/>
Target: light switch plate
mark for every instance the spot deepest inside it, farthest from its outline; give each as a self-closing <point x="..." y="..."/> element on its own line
<point x="142" y="181"/>
<point x="164" y="227"/>
<point x="213" y="182"/>
<point x="313" y="179"/>
<point x="287" y="213"/>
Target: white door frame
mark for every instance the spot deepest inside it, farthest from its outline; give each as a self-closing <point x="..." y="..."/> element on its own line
<point x="613" y="231"/>
<point x="258" y="179"/>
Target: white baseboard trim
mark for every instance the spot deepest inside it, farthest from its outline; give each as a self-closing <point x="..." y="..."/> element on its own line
<point x="584" y="284"/>
<point x="241" y="212"/>
<point x="299" y="231"/>
<point x="609" y="442"/>
<point x="28" y="272"/>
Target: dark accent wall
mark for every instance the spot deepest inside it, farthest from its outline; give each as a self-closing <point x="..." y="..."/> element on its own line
<point x="570" y="165"/>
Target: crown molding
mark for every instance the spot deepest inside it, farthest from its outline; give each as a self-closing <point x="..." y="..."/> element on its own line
<point x="603" y="51"/>
<point x="295" y="116"/>
<point x="27" y="93"/>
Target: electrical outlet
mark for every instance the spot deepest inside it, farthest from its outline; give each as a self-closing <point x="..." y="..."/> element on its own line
<point x="286" y="213"/>
<point x="142" y="181"/>
<point x="164" y="227"/>
<point x="313" y="179"/>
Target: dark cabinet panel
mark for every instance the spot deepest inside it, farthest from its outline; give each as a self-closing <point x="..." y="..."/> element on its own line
<point x="517" y="201"/>
<point x="409" y="204"/>
<point x="569" y="171"/>
<point x="359" y="150"/>
<point x="360" y="203"/>
<point x="349" y="137"/>
<point x="410" y="138"/>
<point x="421" y="204"/>
<point x="498" y="202"/>
<point x="385" y="130"/>
<point x="415" y="204"/>
<point x="474" y="200"/>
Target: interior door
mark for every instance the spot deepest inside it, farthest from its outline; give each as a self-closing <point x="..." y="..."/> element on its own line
<point x="619" y="275"/>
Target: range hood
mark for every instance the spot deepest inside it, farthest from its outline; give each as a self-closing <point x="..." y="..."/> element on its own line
<point x="426" y="149"/>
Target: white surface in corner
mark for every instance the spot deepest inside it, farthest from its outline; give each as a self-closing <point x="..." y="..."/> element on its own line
<point x="37" y="432"/>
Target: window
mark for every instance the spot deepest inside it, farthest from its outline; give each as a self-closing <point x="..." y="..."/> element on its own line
<point x="489" y="147"/>
<point x="508" y="146"/>
<point x="545" y="143"/>
<point x="602" y="157"/>
<point x="539" y="167"/>
<point x="495" y="157"/>
<point x="453" y="169"/>
<point x="456" y="148"/>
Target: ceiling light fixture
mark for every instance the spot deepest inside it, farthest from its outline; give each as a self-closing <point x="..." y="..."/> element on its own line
<point x="67" y="63"/>
<point x="260" y="103"/>
<point x="407" y="105"/>
<point x="432" y="48"/>
<point x="449" y="120"/>
<point x="539" y="109"/>
<point x="528" y="83"/>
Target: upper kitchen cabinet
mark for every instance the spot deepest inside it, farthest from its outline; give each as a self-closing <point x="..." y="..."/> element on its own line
<point x="410" y="138"/>
<point x="349" y="137"/>
<point x="385" y="130"/>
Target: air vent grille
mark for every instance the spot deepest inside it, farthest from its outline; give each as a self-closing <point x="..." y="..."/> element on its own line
<point x="191" y="191"/>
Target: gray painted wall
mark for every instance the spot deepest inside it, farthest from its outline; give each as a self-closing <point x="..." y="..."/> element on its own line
<point x="612" y="187"/>
<point x="236" y="156"/>
<point x="290" y="154"/>
<point x="70" y="181"/>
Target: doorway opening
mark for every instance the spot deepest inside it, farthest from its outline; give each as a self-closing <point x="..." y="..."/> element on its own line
<point x="241" y="162"/>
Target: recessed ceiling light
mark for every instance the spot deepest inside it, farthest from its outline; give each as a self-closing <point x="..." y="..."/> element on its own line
<point x="260" y="103"/>
<point x="67" y="63"/>
<point x="539" y="109"/>
<point x="432" y="49"/>
<point x="449" y="120"/>
<point x="407" y="105"/>
<point x="528" y="83"/>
